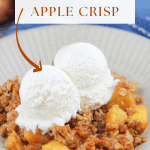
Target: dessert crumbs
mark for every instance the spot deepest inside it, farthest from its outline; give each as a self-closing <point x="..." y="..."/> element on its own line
<point x="88" y="131"/>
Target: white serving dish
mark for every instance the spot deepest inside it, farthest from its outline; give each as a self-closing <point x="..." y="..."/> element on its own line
<point x="126" y="53"/>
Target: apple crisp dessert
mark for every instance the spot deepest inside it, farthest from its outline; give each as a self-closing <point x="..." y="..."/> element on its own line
<point x="116" y="125"/>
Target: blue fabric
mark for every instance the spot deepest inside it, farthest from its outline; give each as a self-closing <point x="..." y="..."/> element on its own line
<point x="141" y="27"/>
<point x="142" y="8"/>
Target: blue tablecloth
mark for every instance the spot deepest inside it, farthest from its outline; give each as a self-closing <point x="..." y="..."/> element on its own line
<point x="141" y="26"/>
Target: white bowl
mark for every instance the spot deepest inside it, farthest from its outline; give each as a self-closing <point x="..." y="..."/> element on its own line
<point x="126" y="53"/>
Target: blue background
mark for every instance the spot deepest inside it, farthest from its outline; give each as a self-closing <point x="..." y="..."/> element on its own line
<point x="141" y="27"/>
<point x="142" y="8"/>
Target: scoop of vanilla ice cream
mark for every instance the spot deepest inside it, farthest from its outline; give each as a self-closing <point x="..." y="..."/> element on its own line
<point x="47" y="97"/>
<point x="88" y="69"/>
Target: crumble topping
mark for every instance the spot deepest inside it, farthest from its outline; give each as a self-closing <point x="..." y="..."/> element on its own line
<point x="88" y="131"/>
